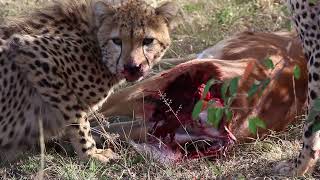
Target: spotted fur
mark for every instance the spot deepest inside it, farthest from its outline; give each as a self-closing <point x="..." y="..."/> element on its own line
<point x="305" y="15"/>
<point x="61" y="62"/>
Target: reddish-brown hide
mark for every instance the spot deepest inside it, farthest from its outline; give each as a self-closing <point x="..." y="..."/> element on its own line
<point x="285" y="100"/>
<point x="242" y="55"/>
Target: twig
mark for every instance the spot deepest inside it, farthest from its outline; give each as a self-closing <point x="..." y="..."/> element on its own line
<point x="295" y="95"/>
<point x="176" y="116"/>
<point x="42" y="148"/>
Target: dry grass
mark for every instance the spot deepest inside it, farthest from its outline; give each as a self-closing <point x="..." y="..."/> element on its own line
<point x="250" y="160"/>
<point x="202" y="24"/>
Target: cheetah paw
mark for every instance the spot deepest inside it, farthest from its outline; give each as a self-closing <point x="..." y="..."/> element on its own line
<point x="285" y="168"/>
<point x="104" y="155"/>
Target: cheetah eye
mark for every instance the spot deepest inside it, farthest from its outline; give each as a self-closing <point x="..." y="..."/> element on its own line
<point x="117" y="41"/>
<point x="147" y="41"/>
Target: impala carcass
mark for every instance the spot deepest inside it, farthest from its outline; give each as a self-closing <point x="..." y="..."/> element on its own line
<point x="163" y="104"/>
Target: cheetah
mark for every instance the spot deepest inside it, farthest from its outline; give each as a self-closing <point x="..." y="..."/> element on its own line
<point x="306" y="21"/>
<point x="61" y="62"/>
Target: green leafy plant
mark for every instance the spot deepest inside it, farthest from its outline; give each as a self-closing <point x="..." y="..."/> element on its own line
<point x="194" y="7"/>
<point x="225" y="16"/>
<point x="208" y="86"/>
<point x="229" y="91"/>
<point x="234" y="86"/>
<point x="296" y="72"/>
<point x="261" y="85"/>
<point x="215" y="114"/>
<point x="268" y="63"/>
<point x="197" y="109"/>
<point x="254" y="123"/>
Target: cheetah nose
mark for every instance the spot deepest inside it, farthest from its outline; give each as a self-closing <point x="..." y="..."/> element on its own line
<point x="132" y="68"/>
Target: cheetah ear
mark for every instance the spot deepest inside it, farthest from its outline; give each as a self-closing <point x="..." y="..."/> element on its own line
<point x="168" y="10"/>
<point x="102" y="11"/>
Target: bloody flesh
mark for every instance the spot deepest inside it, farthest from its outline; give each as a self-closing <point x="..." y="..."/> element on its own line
<point x="173" y="113"/>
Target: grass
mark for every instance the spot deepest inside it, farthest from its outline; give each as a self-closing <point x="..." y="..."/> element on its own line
<point x="202" y="23"/>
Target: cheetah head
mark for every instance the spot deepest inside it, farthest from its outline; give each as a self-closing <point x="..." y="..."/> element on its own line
<point x="133" y="36"/>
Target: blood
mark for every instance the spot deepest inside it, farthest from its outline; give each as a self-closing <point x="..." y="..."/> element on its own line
<point x="200" y="91"/>
<point x="174" y="108"/>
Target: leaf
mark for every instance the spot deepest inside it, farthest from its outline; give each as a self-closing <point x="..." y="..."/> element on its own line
<point x="296" y="72"/>
<point x="254" y="123"/>
<point x="215" y="116"/>
<point x="211" y="115"/>
<point x="253" y="90"/>
<point x="228" y="101"/>
<point x="224" y="89"/>
<point x="315" y="127"/>
<point x="260" y="123"/>
<point x="197" y="109"/>
<point x="228" y="114"/>
<point x="234" y="85"/>
<point x="252" y="127"/>
<point x="207" y="87"/>
<point x="219" y="115"/>
<point x="264" y="84"/>
<point x="268" y="63"/>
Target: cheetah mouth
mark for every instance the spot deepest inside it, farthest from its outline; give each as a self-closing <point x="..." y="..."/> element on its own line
<point x="132" y="77"/>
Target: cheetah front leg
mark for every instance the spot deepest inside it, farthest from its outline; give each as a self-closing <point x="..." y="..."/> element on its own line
<point x="84" y="144"/>
<point x="308" y="155"/>
<point x="311" y="136"/>
<point x="74" y="113"/>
